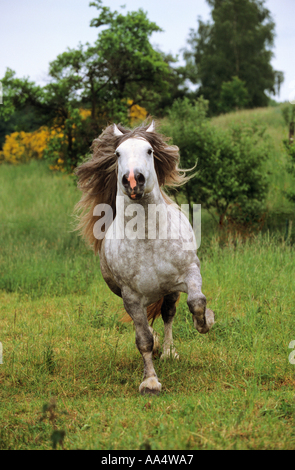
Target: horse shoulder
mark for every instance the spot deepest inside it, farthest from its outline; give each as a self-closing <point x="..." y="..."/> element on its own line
<point x="106" y="273"/>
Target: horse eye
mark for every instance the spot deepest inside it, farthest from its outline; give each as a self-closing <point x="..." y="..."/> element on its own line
<point x="117" y="153"/>
<point x="149" y="151"/>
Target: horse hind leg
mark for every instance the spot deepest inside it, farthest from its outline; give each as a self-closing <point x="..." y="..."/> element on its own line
<point x="168" y="311"/>
<point x="157" y="345"/>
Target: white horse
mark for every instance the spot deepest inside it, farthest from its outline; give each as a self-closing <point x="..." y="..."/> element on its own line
<point x="148" y="270"/>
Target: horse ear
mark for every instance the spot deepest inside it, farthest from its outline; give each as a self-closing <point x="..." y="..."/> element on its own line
<point x="151" y="127"/>
<point x="117" y="131"/>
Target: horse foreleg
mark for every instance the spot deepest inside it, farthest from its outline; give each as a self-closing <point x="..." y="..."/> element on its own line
<point x="203" y="317"/>
<point x="144" y="341"/>
<point x="168" y="311"/>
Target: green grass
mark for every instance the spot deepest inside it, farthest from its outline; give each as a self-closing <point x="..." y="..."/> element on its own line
<point x="39" y="250"/>
<point x="65" y="348"/>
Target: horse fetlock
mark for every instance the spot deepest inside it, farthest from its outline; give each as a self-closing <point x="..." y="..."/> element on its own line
<point x="150" y="386"/>
<point x="156" y="345"/>
<point x="169" y="352"/>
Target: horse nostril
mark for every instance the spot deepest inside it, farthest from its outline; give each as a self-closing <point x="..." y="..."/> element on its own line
<point x="137" y="179"/>
<point x="140" y="179"/>
<point x="125" y="182"/>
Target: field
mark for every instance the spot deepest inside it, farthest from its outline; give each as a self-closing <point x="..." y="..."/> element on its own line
<point x="71" y="371"/>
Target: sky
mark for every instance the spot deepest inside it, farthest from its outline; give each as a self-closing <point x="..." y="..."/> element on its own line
<point x="34" y="32"/>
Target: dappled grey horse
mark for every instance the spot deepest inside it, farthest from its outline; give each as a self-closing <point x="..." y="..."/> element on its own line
<point x="150" y="266"/>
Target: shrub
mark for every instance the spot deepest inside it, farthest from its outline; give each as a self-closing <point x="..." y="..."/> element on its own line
<point x="233" y="96"/>
<point x="230" y="181"/>
<point x="24" y="146"/>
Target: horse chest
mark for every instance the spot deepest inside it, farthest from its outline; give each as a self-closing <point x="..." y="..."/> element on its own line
<point x="147" y="266"/>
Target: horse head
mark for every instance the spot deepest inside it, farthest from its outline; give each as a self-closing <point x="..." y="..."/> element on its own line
<point x="136" y="169"/>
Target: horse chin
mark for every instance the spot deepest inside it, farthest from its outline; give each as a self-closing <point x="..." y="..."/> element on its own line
<point x="135" y="197"/>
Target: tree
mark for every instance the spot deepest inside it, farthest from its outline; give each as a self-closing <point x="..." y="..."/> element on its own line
<point x="233" y="96"/>
<point x="120" y="70"/>
<point x="238" y="44"/>
<point x="229" y="180"/>
<point x="289" y="117"/>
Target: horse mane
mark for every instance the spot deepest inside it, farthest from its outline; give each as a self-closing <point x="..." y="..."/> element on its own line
<point x="97" y="176"/>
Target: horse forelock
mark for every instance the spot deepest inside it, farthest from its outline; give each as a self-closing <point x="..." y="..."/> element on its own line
<point x="97" y="177"/>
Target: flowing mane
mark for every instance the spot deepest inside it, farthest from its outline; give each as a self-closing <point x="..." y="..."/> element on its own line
<point x="97" y="177"/>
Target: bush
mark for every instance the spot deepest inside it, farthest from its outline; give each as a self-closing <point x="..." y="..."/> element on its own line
<point x="233" y="96"/>
<point x="22" y="146"/>
<point x="290" y="147"/>
<point x="230" y="181"/>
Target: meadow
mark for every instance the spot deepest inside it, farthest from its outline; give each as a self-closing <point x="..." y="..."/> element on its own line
<point x="71" y="371"/>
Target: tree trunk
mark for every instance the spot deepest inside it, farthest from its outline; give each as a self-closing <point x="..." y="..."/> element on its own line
<point x="291" y="132"/>
<point x="236" y="52"/>
<point x="221" y="221"/>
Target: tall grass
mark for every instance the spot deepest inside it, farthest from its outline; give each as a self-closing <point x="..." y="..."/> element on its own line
<point x="40" y="253"/>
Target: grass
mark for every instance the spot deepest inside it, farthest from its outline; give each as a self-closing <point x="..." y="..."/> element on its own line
<point x="233" y="388"/>
<point x="41" y="253"/>
<point x="71" y="371"/>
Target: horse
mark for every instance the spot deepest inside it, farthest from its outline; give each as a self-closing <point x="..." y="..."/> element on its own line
<point x="129" y="169"/>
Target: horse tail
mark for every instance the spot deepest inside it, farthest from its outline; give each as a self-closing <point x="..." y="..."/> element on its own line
<point x="153" y="312"/>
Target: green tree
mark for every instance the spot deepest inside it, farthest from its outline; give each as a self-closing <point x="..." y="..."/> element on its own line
<point x="289" y="117"/>
<point x="238" y="44"/>
<point x="230" y="180"/>
<point x="119" y="70"/>
<point x="290" y="148"/>
<point x="56" y="105"/>
<point x="233" y="96"/>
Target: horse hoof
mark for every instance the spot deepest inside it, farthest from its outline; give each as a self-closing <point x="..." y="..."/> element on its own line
<point x="209" y="316"/>
<point x="150" y="386"/>
<point x="148" y="391"/>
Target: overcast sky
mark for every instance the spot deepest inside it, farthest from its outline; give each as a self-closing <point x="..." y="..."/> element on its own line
<point x="34" y="32"/>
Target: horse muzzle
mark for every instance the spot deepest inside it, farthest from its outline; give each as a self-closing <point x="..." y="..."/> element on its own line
<point x="134" y="184"/>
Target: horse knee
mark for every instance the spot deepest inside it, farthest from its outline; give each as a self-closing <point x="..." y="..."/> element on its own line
<point x="144" y="341"/>
<point x="197" y="305"/>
